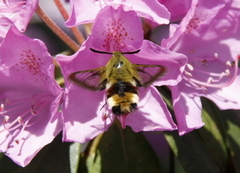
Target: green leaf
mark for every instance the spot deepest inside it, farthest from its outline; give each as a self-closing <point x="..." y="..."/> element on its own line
<point x="120" y="150"/>
<point x="213" y="133"/>
<point x="232" y="128"/>
<point x="74" y="153"/>
<point x="213" y="148"/>
<point x="192" y="152"/>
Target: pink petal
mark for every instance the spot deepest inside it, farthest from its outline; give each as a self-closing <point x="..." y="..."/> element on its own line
<point x="152" y="54"/>
<point x="3" y="32"/>
<point x="187" y="108"/>
<point x="177" y="8"/>
<point x="29" y="97"/>
<point x="152" y="113"/>
<point x="117" y="30"/>
<point x="19" y="17"/>
<point x="83" y="117"/>
<point x="29" y="59"/>
<point x="31" y="141"/>
<point x="226" y="98"/>
<point x="209" y="29"/>
<point x="86" y="11"/>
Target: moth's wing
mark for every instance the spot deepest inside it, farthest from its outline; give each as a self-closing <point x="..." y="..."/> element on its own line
<point x="90" y="79"/>
<point x="149" y="73"/>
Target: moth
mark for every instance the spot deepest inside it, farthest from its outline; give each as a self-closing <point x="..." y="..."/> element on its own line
<point x="121" y="79"/>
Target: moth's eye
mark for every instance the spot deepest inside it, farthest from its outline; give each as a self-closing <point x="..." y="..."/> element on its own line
<point x="119" y="64"/>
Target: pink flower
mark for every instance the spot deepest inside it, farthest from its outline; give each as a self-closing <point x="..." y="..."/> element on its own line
<point x="29" y="97"/>
<point x="3" y="32"/>
<point x="177" y="8"/>
<point x="17" y="12"/>
<point x="86" y="11"/>
<point x="85" y="113"/>
<point x="209" y="37"/>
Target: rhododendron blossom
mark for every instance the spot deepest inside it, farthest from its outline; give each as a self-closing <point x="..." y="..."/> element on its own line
<point x="3" y="32"/>
<point x="85" y="112"/>
<point x="209" y="37"/>
<point x="17" y="12"/>
<point x="86" y="11"/>
<point x="29" y="97"/>
<point x="177" y="8"/>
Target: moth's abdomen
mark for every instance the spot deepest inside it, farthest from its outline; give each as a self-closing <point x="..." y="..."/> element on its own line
<point x="122" y="98"/>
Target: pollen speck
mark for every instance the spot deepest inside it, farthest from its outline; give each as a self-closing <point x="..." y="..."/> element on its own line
<point x="30" y="62"/>
<point x="17" y="141"/>
<point x="194" y="23"/>
<point x="115" y="35"/>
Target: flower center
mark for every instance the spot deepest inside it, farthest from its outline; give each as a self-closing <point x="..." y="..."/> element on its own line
<point x="204" y="73"/>
<point x="19" y="114"/>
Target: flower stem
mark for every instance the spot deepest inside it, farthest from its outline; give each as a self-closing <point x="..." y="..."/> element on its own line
<point x="56" y="29"/>
<point x="78" y="35"/>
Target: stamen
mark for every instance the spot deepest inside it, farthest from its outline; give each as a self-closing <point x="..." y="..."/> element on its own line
<point x="5" y="120"/>
<point x="12" y="126"/>
<point x="187" y="73"/>
<point x="227" y="72"/>
<point x="23" y="111"/>
<point x="214" y="79"/>
<point x="207" y="73"/>
<point x="210" y="79"/>
<point x="230" y="64"/>
<point x="20" y="121"/>
<point x="204" y="62"/>
<point x="190" y="67"/>
<point x="1" y="108"/>
<point x="32" y="111"/>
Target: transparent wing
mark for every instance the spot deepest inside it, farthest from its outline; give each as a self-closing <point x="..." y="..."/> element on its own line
<point x="90" y="79"/>
<point x="149" y="73"/>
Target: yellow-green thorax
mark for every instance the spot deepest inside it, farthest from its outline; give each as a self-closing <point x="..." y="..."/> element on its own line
<point x="120" y="68"/>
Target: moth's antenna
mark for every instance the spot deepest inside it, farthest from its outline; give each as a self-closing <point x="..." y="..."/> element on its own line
<point x="131" y="52"/>
<point x="97" y="51"/>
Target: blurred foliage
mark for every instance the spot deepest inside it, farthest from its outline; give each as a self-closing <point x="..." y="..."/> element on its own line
<point x="119" y="150"/>
<point x="215" y="148"/>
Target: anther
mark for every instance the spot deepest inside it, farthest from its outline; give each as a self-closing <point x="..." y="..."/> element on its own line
<point x="5" y="120"/>
<point x="190" y="67"/>
<point x="204" y="61"/>
<point x="210" y="79"/>
<point x="32" y="111"/>
<point x="17" y="141"/>
<point x="228" y="63"/>
<point x="1" y="108"/>
<point x="227" y="72"/>
<point x="19" y="119"/>
<point x="187" y="73"/>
